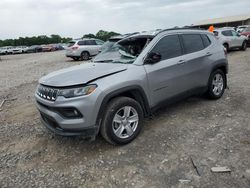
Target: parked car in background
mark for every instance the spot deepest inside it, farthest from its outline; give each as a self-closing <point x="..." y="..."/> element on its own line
<point x="129" y="81"/>
<point x="34" y="49"/>
<point x="113" y="40"/>
<point x="83" y="49"/>
<point x="240" y="28"/>
<point x="246" y="33"/>
<point x="6" y="50"/>
<point x="58" y="46"/>
<point x="230" y="39"/>
<point x="18" y="49"/>
<point x="48" y="48"/>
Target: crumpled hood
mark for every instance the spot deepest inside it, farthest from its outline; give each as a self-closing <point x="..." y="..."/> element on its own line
<point x="81" y="74"/>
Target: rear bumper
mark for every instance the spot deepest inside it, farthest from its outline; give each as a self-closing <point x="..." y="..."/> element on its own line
<point x="72" y="53"/>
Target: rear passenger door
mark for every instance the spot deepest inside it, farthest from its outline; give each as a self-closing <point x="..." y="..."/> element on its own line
<point x="92" y="47"/>
<point x="197" y="60"/>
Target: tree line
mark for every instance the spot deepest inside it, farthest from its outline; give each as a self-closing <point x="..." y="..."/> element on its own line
<point x="53" y="39"/>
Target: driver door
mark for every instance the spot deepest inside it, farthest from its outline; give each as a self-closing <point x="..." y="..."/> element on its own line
<point x="166" y="78"/>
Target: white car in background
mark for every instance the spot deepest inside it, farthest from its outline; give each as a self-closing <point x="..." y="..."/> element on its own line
<point x="83" y="49"/>
<point x="231" y="39"/>
<point x="19" y="50"/>
<point x="240" y="28"/>
<point x="6" y="50"/>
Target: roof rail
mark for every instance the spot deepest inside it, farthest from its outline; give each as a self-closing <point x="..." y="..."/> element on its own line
<point x="181" y="28"/>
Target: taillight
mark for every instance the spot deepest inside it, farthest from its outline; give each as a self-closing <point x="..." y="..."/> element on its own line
<point x="74" y="47"/>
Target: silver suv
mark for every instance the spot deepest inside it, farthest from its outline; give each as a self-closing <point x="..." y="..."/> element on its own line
<point x="231" y="39"/>
<point x="122" y="85"/>
<point x="83" y="49"/>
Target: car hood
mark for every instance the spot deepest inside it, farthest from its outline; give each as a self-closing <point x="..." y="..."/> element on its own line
<point x="81" y="74"/>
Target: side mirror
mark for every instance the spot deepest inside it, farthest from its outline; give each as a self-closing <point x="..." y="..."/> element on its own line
<point x="152" y="58"/>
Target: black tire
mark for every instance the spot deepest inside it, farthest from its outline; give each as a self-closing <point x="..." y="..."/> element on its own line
<point x="107" y="125"/>
<point x="212" y="93"/>
<point x="244" y="46"/>
<point x="85" y="56"/>
<point x="226" y="46"/>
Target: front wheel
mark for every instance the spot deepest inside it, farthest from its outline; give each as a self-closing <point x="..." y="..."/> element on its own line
<point x="84" y="56"/>
<point x="122" y="121"/>
<point x="216" y="84"/>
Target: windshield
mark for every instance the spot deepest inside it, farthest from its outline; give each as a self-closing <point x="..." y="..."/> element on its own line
<point x="125" y="51"/>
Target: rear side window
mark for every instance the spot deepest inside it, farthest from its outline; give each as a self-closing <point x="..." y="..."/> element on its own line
<point x="192" y="43"/>
<point x="227" y="33"/>
<point x="168" y="47"/>
<point x="81" y="42"/>
<point x="90" y="42"/>
<point x="206" y="40"/>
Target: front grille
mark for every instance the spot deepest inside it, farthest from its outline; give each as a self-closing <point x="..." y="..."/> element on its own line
<point x="47" y="92"/>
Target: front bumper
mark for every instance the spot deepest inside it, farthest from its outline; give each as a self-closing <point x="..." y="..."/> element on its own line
<point x="61" y="125"/>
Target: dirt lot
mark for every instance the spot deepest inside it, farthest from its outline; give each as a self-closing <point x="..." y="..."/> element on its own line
<point x="212" y="133"/>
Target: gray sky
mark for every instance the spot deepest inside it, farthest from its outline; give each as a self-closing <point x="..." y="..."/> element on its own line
<point x="73" y="18"/>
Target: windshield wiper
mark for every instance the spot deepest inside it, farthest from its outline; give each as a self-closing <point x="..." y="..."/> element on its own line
<point x="104" y="61"/>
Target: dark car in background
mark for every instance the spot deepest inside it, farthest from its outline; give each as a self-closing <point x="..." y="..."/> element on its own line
<point x="48" y="48"/>
<point x="34" y="49"/>
<point x="246" y="32"/>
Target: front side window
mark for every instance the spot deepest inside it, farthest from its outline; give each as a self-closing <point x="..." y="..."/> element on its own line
<point x="192" y="43"/>
<point x="168" y="47"/>
<point x="234" y="33"/>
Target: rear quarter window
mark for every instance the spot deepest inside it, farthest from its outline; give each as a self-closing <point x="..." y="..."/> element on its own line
<point x="81" y="42"/>
<point x="206" y="40"/>
<point x="192" y="43"/>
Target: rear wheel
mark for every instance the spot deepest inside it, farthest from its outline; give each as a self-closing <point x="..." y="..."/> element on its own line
<point x="85" y="56"/>
<point x="122" y="121"/>
<point x="244" y="46"/>
<point x="216" y="85"/>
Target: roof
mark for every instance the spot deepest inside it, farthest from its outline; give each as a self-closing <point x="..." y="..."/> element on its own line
<point x="223" y="20"/>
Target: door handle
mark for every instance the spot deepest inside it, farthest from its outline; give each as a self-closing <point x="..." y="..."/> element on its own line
<point x="181" y="62"/>
<point x="208" y="54"/>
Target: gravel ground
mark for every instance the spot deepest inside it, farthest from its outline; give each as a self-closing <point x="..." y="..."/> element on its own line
<point x="211" y="133"/>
